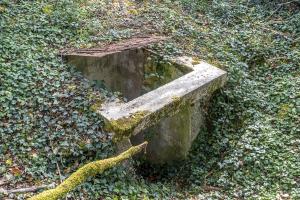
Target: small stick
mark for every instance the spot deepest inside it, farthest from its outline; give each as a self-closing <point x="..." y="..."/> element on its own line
<point x="295" y="1"/>
<point x="57" y="165"/>
<point x="24" y="190"/>
<point x="3" y="182"/>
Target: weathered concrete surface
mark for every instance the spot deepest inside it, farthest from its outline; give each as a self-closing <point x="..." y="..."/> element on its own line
<point x="170" y="139"/>
<point x="121" y="71"/>
<point x="162" y="102"/>
<point x="171" y="129"/>
<point x="166" y="99"/>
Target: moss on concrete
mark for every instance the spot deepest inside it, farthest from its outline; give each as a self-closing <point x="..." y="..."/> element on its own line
<point x="215" y="85"/>
<point x="167" y="111"/>
<point x="123" y="127"/>
<point x="196" y="61"/>
<point x="97" y="105"/>
<point x="175" y="99"/>
<point x="159" y="72"/>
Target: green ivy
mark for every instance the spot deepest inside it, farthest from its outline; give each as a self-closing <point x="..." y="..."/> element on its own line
<point x="250" y="149"/>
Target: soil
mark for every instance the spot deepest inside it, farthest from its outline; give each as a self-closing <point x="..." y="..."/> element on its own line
<point x="132" y="43"/>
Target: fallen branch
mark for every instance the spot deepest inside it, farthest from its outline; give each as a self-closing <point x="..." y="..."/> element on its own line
<point x="88" y="170"/>
<point x="24" y="190"/>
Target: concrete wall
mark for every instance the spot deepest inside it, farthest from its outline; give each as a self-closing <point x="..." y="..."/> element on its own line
<point x="121" y="71"/>
<point x="132" y="72"/>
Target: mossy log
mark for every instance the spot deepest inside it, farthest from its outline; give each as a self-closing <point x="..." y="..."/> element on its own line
<point x="88" y="170"/>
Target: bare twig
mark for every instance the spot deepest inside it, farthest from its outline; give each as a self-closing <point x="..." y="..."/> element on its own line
<point x="295" y="1"/>
<point x="59" y="173"/>
<point x="2" y="182"/>
<point x="273" y="13"/>
<point x="205" y="178"/>
<point x="276" y="32"/>
<point x="57" y="165"/>
<point x="280" y="6"/>
<point x="209" y="188"/>
<point x="264" y="27"/>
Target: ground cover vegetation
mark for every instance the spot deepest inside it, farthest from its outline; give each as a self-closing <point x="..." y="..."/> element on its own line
<point x="251" y="148"/>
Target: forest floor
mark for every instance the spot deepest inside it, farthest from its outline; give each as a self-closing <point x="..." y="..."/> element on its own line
<point x="251" y="149"/>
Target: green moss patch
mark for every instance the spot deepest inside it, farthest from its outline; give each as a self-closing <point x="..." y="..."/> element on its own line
<point x="123" y="127"/>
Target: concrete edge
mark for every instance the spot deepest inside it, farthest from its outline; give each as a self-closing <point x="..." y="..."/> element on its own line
<point x="159" y="103"/>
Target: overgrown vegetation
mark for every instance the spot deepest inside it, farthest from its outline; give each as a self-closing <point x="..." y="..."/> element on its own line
<point x="87" y="171"/>
<point x="251" y="149"/>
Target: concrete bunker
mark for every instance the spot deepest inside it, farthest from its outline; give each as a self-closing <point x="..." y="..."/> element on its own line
<point x="163" y="101"/>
